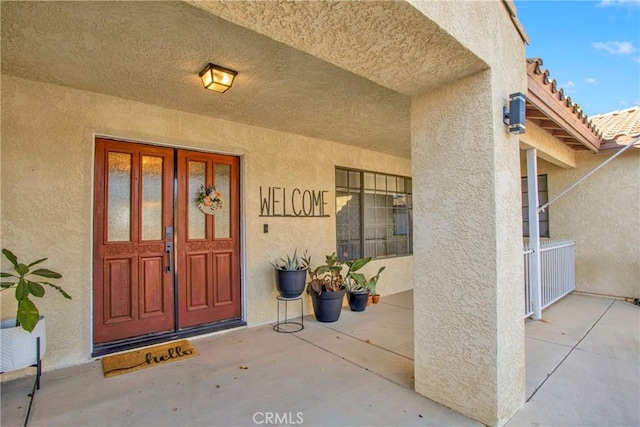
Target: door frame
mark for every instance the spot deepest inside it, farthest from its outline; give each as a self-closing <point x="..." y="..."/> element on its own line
<point x="98" y="350"/>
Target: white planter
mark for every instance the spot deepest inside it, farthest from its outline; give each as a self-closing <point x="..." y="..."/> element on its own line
<point x="18" y="347"/>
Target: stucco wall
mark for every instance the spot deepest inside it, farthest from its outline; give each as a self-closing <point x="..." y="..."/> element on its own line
<point x="603" y="216"/>
<point x="549" y="147"/>
<point x="47" y="169"/>
<point x="469" y="331"/>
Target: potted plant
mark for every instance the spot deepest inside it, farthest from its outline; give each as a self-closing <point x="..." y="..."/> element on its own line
<point x="358" y="292"/>
<point x="357" y="296"/>
<point x="326" y="287"/>
<point x="19" y="334"/>
<point x="290" y="276"/>
<point x="371" y="285"/>
<point x="360" y="288"/>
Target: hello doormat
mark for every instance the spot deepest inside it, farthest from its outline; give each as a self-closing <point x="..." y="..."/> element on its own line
<point x="147" y="357"/>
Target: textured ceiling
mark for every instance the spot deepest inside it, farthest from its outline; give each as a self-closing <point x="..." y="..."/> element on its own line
<point x="152" y="52"/>
<point x="389" y="42"/>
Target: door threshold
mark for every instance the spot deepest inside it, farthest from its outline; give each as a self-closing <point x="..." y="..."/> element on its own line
<point x="137" y="342"/>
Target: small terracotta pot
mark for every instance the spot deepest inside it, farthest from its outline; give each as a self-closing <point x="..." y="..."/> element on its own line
<point x="375" y="298"/>
<point x="369" y="300"/>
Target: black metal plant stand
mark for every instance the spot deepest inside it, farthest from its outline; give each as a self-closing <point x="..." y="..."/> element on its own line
<point x="297" y="326"/>
<point x="36" y="384"/>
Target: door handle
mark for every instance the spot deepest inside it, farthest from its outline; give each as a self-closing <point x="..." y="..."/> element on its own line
<point x="168" y="251"/>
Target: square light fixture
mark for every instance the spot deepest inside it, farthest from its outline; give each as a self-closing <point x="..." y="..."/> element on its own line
<point x="515" y="115"/>
<point x="217" y="78"/>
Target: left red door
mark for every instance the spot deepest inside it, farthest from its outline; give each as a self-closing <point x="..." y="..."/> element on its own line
<point x="133" y="220"/>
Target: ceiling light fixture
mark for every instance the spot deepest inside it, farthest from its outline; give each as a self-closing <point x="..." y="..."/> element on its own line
<point x="217" y="78"/>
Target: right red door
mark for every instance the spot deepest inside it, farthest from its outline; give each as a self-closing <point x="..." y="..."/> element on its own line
<point x="208" y="245"/>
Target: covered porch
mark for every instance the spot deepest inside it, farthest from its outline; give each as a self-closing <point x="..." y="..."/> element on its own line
<point x="586" y="169"/>
<point x="357" y="371"/>
<point x="395" y="88"/>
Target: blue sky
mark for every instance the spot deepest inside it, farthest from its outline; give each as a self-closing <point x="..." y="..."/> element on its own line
<point x="591" y="49"/>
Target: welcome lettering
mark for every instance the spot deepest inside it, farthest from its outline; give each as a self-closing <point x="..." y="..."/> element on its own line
<point x="280" y="202"/>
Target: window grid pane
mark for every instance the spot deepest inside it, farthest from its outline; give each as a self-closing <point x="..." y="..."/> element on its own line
<point x="348" y="223"/>
<point x="354" y="179"/>
<point x="543" y="197"/>
<point x="382" y="225"/>
<point x="342" y="178"/>
<point x="369" y="181"/>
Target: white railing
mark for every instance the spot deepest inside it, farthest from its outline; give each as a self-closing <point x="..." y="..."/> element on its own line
<point x="528" y="306"/>
<point x="557" y="269"/>
<point x="558" y="266"/>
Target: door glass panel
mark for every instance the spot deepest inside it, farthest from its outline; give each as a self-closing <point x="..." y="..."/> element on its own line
<point x="119" y="197"/>
<point x="223" y="216"/>
<point x="151" y="198"/>
<point x="197" y="221"/>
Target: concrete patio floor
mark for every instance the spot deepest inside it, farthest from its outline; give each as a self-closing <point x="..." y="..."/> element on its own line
<point x="583" y="368"/>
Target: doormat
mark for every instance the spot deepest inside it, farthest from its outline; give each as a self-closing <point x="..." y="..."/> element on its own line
<point x="147" y="357"/>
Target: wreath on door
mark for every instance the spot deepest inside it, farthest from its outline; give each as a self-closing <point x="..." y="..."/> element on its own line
<point x="208" y="199"/>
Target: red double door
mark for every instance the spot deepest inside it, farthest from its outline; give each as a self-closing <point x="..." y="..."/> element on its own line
<point x="160" y="264"/>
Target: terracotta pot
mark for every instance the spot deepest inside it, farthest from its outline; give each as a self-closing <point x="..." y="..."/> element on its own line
<point x="375" y="298"/>
<point x="369" y="300"/>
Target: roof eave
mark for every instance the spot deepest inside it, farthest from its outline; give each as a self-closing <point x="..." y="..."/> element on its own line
<point x="555" y="108"/>
<point x="618" y="144"/>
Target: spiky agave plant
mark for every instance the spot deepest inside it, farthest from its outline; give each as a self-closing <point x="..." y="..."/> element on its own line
<point x="290" y="264"/>
<point x="26" y="284"/>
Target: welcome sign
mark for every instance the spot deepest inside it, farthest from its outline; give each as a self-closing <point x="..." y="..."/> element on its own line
<point x="283" y="202"/>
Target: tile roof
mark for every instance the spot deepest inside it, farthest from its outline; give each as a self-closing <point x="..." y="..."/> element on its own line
<point x="557" y="114"/>
<point x="575" y="128"/>
<point x="620" y="126"/>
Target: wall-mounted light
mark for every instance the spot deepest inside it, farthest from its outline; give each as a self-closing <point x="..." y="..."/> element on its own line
<point x="515" y="114"/>
<point x="217" y="78"/>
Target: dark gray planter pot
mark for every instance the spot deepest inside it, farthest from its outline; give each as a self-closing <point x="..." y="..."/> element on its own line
<point x="358" y="300"/>
<point x="290" y="283"/>
<point x="327" y="306"/>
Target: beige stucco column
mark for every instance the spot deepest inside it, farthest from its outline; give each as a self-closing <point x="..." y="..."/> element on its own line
<point x="469" y="327"/>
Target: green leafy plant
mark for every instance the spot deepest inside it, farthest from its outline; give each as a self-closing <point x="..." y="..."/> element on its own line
<point x="290" y="264"/>
<point x="328" y="277"/>
<point x="325" y="277"/>
<point x="372" y="282"/>
<point x="356" y="282"/>
<point x="26" y="284"/>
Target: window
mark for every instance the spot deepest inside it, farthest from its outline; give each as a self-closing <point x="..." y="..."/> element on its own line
<point x="374" y="215"/>
<point x="543" y="197"/>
